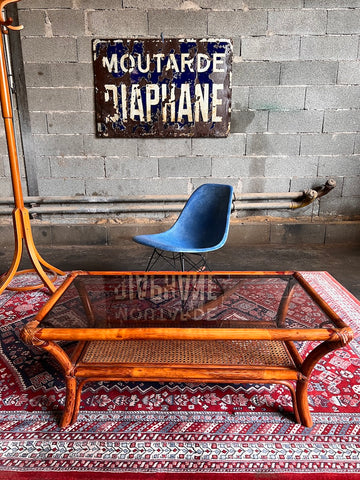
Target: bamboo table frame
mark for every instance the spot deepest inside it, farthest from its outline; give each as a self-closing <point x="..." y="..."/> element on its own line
<point x="78" y="371"/>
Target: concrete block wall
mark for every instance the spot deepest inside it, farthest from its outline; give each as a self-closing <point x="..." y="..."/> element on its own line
<point x="295" y="100"/>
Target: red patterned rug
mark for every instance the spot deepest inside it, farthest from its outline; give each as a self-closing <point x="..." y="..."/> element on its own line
<point x="151" y="430"/>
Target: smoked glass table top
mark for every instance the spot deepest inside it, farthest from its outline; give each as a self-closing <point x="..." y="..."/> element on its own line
<point x="216" y="301"/>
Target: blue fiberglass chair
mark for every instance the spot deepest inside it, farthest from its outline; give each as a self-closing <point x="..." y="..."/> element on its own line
<point x="202" y="226"/>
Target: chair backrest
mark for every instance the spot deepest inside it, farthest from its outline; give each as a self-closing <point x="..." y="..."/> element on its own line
<point x="205" y="219"/>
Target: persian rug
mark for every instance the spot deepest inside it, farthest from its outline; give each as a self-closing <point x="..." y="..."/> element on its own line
<point x="153" y="430"/>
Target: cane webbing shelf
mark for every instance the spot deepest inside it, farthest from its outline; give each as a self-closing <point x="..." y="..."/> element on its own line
<point x="188" y="352"/>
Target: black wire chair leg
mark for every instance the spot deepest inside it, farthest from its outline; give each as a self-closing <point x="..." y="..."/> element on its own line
<point x="150" y="264"/>
<point x="171" y="260"/>
<point x="182" y="262"/>
<point x="202" y="265"/>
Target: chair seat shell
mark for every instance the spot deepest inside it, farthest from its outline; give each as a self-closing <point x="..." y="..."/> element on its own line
<point x="202" y="226"/>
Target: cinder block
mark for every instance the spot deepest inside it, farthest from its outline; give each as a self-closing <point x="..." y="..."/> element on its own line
<point x="270" y="48"/>
<point x="332" y="96"/>
<point x="105" y="4"/>
<point x="184" y="167"/>
<point x="276" y="4"/>
<point x="61" y="186"/>
<point x="308" y="73"/>
<point x="129" y="167"/>
<point x="103" y="187"/>
<point x="249" y="234"/>
<point x="38" y="74"/>
<point x="330" y="3"/>
<point x="67" y="22"/>
<point x="249" y="121"/>
<point x="144" y="4"/>
<point x="33" y="21"/>
<point x="232" y="145"/>
<point x="144" y="186"/>
<point x="84" y="50"/>
<point x="236" y="47"/>
<point x="295" y="166"/>
<point x="297" y="22"/>
<point x="42" y="234"/>
<point x="152" y="147"/>
<point x="117" y="23"/>
<point x="59" y="145"/>
<point x="43" y="166"/>
<point x="357" y="144"/>
<point x="296" y="121"/>
<point x="240" y="98"/>
<point x="327" y="144"/>
<point x="293" y="233"/>
<point x="238" y="167"/>
<point x="349" y="73"/>
<point x="334" y="207"/>
<point x="343" y="21"/>
<point x="72" y="74"/>
<point x="329" y="48"/>
<point x="122" y="147"/>
<point x="272" y="144"/>
<point x="178" y="22"/>
<point x="117" y="234"/>
<point x="277" y="98"/>
<point x="45" y="99"/>
<point x="5" y="187"/>
<point x="79" y="234"/>
<point x="256" y="73"/>
<point x="87" y="100"/>
<point x="77" y="167"/>
<point x="351" y="187"/>
<point x="343" y="232"/>
<point x="343" y="166"/>
<point x="3" y="145"/>
<point x="196" y="182"/>
<point x="38" y="122"/>
<point x="342" y="121"/>
<point x="64" y="122"/>
<point x="264" y="184"/>
<point x="25" y="4"/>
<point x="251" y="22"/>
<point x="7" y="239"/>
<point x="2" y="169"/>
<point x="57" y="49"/>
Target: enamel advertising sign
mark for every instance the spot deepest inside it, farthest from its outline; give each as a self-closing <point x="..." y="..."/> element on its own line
<point x="162" y="87"/>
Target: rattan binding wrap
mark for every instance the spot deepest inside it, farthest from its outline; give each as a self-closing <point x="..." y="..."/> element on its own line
<point x="193" y="352"/>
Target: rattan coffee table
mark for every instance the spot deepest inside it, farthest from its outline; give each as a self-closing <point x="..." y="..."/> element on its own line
<point x="219" y="327"/>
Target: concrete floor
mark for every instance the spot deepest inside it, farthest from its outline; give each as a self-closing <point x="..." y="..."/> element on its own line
<point x="342" y="261"/>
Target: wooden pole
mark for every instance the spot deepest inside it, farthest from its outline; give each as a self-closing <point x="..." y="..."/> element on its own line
<point x="21" y="218"/>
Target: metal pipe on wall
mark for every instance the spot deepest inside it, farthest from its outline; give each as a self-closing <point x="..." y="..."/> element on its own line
<point x="145" y="198"/>
<point x="145" y="208"/>
<point x="162" y="203"/>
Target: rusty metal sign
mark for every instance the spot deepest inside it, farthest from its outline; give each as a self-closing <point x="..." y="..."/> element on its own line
<point x="162" y="87"/>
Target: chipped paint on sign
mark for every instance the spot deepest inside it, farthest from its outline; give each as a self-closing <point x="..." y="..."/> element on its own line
<point x="162" y="88"/>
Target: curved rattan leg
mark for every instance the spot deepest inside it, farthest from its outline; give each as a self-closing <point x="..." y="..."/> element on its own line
<point x="77" y="401"/>
<point x="302" y="402"/>
<point x="69" y="402"/>
<point x="338" y="339"/>
<point x="290" y="386"/>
